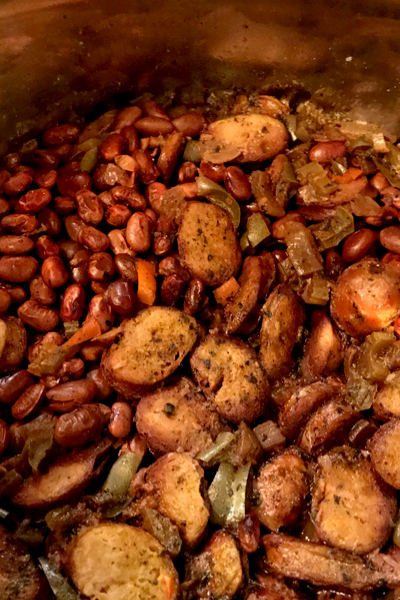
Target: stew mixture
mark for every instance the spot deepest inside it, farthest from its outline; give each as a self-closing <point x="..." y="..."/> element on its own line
<point x="199" y="356"/>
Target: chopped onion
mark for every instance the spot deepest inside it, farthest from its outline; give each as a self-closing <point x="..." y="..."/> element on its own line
<point x="379" y="353"/>
<point x="291" y="126"/>
<point x="269" y="435"/>
<point x="227" y="494"/>
<point x="389" y="165"/>
<point x="126" y="162"/>
<point x="332" y="230"/>
<point x="302" y="250"/>
<point x="360" y="392"/>
<point x="210" y="455"/>
<point x="49" y="361"/>
<point x="192" y="151"/>
<point x="264" y="194"/>
<point x="121" y="474"/>
<point x="257" y="230"/>
<point x="315" y="174"/>
<point x="59" y="585"/>
<point x="89" y="160"/>
<point x="219" y="196"/>
<point x="317" y="290"/>
<point x="70" y="327"/>
<point x="244" y="242"/>
<point x="4" y="513"/>
<point x="361" y="142"/>
<point x="112" y="174"/>
<point x="364" y="206"/>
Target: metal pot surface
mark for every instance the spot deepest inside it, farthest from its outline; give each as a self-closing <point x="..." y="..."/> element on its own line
<point x="61" y="56"/>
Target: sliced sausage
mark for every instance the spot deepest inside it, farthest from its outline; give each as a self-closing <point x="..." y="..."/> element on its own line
<point x="324" y="350"/>
<point x="257" y="137"/>
<point x="270" y="588"/>
<point x="114" y="560"/>
<point x="283" y="319"/>
<point x="281" y="488"/>
<point x="385" y="451"/>
<point x="366" y="298"/>
<point x="207" y="243"/>
<point x="12" y="350"/>
<point x="231" y="376"/>
<point x="217" y="571"/>
<point x="326" y="425"/>
<point x="386" y="403"/>
<point x="324" y="566"/>
<point x="350" y="508"/>
<point x="245" y="300"/>
<point x="176" y="419"/>
<point x="295" y="411"/>
<point x="151" y="347"/>
<point x="20" y="578"/>
<point x="172" y="485"/>
<point x="64" y="479"/>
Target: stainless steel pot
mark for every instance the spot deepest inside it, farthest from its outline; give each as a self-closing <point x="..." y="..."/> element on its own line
<point x="61" y="56"/>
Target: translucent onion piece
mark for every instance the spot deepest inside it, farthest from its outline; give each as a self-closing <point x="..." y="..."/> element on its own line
<point x="218" y="195"/>
<point x="126" y="162"/>
<point x="121" y="475"/>
<point x="379" y="353"/>
<point x="49" y="361"/>
<point x="389" y="165"/>
<point x="89" y="160"/>
<point x="227" y="494"/>
<point x="70" y="327"/>
<point x="364" y="206"/>
<point x="112" y="174"/>
<point x="257" y="230"/>
<point x="210" y="454"/>
<point x="266" y="199"/>
<point x="59" y="585"/>
<point x="331" y="231"/>
<point x="218" y="152"/>
<point x="316" y="291"/>
<point x="302" y="250"/>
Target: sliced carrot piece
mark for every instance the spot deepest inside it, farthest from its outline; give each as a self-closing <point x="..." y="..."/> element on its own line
<point x="226" y="291"/>
<point x="351" y="175"/>
<point x="147" y="285"/>
<point x="89" y="330"/>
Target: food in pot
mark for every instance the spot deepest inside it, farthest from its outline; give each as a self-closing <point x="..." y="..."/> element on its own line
<point x="200" y="355"/>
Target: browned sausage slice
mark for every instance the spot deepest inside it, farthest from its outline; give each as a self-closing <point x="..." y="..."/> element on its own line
<point x="230" y="374"/>
<point x="217" y="571"/>
<point x="281" y="488"/>
<point x="176" y="419"/>
<point x="324" y="350"/>
<point x="350" y="509"/>
<point x="271" y="588"/>
<point x="20" y="578"/>
<point x="284" y="316"/>
<point x="114" y="560"/>
<point x="367" y="297"/>
<point x="296" y="410"/>
<point x="326" y="425"/>
<point x="208" y="245"/>
<point x="386" y="403"/>
<point x="245" y="300"/>
<point x="152" y="346"/>
<point x="324" y="566"/>
<point x="172" y="485"/>
<point x="385" y="451"/>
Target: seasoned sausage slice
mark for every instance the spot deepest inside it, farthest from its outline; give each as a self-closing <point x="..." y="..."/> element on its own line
<point x="20" y="578"/>
<point x="112" y="561"/>
<point x="326" y="425"/>
<point x="65" y="479"/>
<point x="296" y="410"/>
<point x="385" y="451"/>
<point x="324" y="350"/>
<point x="12" y="343"/>
<point x="366" y="298"/>
<point x="230" y="374"/>
<point x="350" y="508"/>
<point x="284" y="317"/>
<point x="208" y="245"/>
<point x="172" y="486"/>
<point x="176" y="419"/>
<point x="245" y="300"/>
<point x="217" y="571"/>
<point x="386" y="403"/>
<point x="152" y="346"/>
<point x="281" y="488"/>
<point x="257" y="137"/>
<point x="270" y="588"/>
<point x="324" y="566"/>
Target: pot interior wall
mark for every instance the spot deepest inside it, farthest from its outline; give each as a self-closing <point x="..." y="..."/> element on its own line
<point x="62" y="56"/>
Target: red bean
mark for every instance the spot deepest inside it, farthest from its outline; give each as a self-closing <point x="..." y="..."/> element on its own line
<point x="112" y="146"/>
<point x="46" y="178"/>
<point x="279" y="227"/>
<point x="70" y="395"/>
<point x="121" y="297"/>
<point x="213" y="171"/>
<point x="104" y="389"/>
<point x="33" y="202"/>
<point x="73" y="303"/>
<point x="102" y="312"/>
<point x="82" y="425"/>
<point x="101" y="267"/>
<point x="138" y="232"/>
<point x="54" y="272"/>
<point x="17" y="184"/>
<point x="38" y="317"/>
<point x="148" y="170"/>
<point x="19" y="224"/>
<point x="237" y="183"/>
<point x="191" y="123"/>
<point x="12" y="386"/>
<point x="126" y="267"/>
<point x="390" y="238"/>
<point x="18" y="269"/>
<point x="79" y="265"/>
<point x="73" y="225"/>
<point x="29" y="401"/>
<point x="15" y="244"/>
<point x="4" y="436"/>
<point x="121" y="419"/>
<point x="358" y="244"/>
<point x="46" y="247"/>
<point x="126" y="117"/>
<point x="41" y="292"/>
<point x="94" y="239"/>
<point x="65" y="206"/>
<point x="118" y="215"/>
<point x="5" y="300"/>
<point x="327" y="151"/>
<point x="172" y="289"/>
<point x="154" y="126"/>
<point x="90" y="209"/>
<point x="132" y="198"/>
<point x="50" y="220"/>
<point x="195" y="297"/>
<point x="61" y="134"/>
<point x="187" y="172"/>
